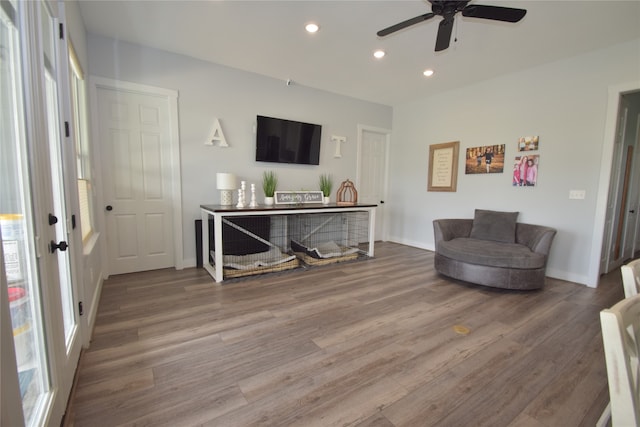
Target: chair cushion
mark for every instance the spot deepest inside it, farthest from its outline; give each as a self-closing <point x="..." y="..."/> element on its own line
<point x="494" y="225"/>
<point x="495" y="254"/>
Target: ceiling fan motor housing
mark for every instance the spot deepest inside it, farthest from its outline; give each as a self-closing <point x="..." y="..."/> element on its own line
<point x="447" y="8"/>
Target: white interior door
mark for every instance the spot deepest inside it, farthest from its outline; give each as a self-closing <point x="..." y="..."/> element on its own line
<point x="135" y="141"/>
<point x="373" y="149"/>
<point x="635" y="206"/>
<point x="607" y="260"/>
<point x="629" y="213"/>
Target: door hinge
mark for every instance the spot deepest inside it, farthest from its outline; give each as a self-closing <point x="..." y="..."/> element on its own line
<point x="66" y="129"/>
<point x="61" y="31"/>
<point x="80" y="309"/>
<point x="73" y="222"/>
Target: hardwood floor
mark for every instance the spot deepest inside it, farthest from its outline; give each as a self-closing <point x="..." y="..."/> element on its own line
<point x="382" y="342"/>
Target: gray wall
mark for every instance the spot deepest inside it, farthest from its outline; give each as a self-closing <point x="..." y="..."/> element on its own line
<point x="565" y="103"/>
<point x="208" y="91"/>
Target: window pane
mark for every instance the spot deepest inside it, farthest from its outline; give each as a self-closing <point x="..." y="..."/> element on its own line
<point x="83" y="164"/>
<point x="85" y="218"/>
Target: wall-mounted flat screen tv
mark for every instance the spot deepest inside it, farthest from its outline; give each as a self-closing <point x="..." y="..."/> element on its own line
<point x="287" y="141"/>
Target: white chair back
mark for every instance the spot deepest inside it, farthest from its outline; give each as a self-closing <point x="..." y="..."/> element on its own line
<point x="621" y="338"/>
<point x="631" y="278"/>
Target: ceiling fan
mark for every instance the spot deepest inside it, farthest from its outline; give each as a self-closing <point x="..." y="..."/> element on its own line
<point x="447" y="9"/>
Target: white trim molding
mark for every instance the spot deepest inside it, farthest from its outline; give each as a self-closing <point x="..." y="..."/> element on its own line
<point x="613" y="104"/>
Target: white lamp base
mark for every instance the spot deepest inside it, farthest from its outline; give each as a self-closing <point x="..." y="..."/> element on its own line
<point x="226" y="197"/>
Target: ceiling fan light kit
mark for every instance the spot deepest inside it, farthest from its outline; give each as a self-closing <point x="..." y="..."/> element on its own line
<point x="447" y="9"/>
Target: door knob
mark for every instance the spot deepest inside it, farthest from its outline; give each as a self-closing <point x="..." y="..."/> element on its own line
<point x="53" y="219"/>
<point x="632" y="211"/>
<point x="62" y="246"/>
<point x="109" y="208"/>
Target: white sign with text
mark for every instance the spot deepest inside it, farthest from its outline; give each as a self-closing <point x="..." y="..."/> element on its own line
<point x="297" y="197"/>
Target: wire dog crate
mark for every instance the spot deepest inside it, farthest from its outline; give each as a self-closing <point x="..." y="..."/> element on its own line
<point x="327" y="238"/>
<point x="256" y="244"/>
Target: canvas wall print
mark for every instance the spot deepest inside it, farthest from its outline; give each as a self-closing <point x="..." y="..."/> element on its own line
<point x="486" y="159"/>
<point x="528" y="143"/>
<point x="525" y="170"/>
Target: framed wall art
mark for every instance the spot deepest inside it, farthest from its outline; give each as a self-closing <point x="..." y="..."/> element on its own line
<point x="443" y="166"/>
<point x="525" y="170"/>
<point x="485" y="159"/>
<point x="528" y="143"/>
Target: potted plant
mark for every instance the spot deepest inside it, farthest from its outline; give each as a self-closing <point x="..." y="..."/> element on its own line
<point x="269" y="184"/>
<point x="326" y="184"/>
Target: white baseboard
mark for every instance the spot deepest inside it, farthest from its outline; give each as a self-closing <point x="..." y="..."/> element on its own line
<point x="413" y="243"/>
<point x="570" y="277"/>
<point x="93" y="311"/>
<point x="189" y="262"/>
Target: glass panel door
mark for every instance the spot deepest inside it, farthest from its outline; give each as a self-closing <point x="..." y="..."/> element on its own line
<point x="59" y="202"/>
<point x="17" y="229"/>
<point x="56" y="157"/>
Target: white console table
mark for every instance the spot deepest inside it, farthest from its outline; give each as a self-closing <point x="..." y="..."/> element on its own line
<point x="218" y="212"/>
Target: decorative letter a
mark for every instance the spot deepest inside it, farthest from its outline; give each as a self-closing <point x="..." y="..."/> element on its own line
<point x="217" y="135"/>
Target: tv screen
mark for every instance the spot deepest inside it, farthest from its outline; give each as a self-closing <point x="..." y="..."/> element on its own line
<point x="287" y="141"/>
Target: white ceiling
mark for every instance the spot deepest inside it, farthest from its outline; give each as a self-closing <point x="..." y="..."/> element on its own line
<point x="268" y="37"/>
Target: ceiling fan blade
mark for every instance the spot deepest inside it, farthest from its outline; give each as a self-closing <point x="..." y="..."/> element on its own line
<point x="497" y="13"/>
<point x="405" y="24"/>
<point x="444" y="34"/>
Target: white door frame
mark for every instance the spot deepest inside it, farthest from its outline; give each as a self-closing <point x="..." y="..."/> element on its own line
<point x="636" y="236"/>
<point x="632" y="222"/>
<point x="387" y="133"/>
<point x="606" y="165"/>
<point x="174" y="161"/>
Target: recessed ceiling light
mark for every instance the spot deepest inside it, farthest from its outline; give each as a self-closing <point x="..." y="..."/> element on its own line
<point x="311" y="27"/>
<point x="428" y="72"/>
<point x="379" y="53"/>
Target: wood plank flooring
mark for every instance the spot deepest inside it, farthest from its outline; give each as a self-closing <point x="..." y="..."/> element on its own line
<point x="368" y="343"/>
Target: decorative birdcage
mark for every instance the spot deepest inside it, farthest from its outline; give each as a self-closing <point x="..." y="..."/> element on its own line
<point x="347" y="194"/>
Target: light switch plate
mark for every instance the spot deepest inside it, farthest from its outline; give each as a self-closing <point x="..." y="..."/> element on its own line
<point x="577" y="194"/>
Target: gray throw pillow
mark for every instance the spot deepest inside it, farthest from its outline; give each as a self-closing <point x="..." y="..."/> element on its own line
<point x="494" y="225"/>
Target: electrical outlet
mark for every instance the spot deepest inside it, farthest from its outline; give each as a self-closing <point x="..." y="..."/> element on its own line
<point x="577" y="194"/>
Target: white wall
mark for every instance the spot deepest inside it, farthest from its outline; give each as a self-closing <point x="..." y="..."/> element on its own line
<point x="564" y="103"/>
<point x="77" y="33"/>
<point x="208" y="91"/>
